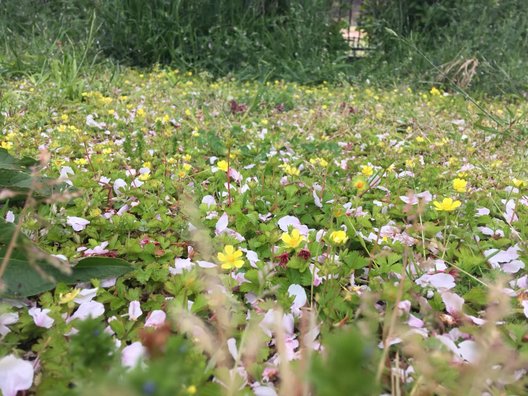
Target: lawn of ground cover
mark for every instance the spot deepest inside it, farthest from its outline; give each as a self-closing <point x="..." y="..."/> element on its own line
<point x="391" y="213"/>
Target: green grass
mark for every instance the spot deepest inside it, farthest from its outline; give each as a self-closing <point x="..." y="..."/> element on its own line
<point x="148" y="153"/>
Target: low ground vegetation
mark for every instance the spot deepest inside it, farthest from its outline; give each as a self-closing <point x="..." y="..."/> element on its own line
<point x="283" y="238"/>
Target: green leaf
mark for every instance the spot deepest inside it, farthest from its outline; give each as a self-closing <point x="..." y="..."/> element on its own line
<point x="16" y="176"/>
<point x="25" y="277"/>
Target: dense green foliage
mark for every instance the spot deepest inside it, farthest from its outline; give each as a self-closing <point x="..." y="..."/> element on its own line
<point x="413" y="207"/>
<point x="482" y="43"/>
<point x="296" y="40"/>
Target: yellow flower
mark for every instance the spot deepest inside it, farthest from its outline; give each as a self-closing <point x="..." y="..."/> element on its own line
<point x="359" y="183"/>
<point x="140" y="112"/>
<point x="420" y="139"/>
<point x="264" y="121"/>
<point x="144" y="176"/>
<point x="518" y="183"/>
<point x="460" y="185"/>
<point x="191" y="390"/>
<point x="65" y="117"/>
<point x="447" y="205"/>
<point x="338" y="237"/>
<point x="291" y="170"/>
<point x="435" y="91"/>
<point x="81" y="161"/>
<point x="68" y="297"/>
<point x="367" y="170"/>
<point x="107" y="150"/>
<point x="293" y="239"/>
<point x="222" y="165"/>
<point x="319" y="161"/>
<point x="230" y="258"/>
<point x="95" y="212"/>
<point x="187" y="167"/>
<point x="6" y="145"/>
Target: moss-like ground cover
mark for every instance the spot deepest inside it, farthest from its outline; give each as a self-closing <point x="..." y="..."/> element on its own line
<point x="373" y="239"/>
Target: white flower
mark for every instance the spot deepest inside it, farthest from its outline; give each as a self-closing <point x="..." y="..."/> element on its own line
<point x="15" y="375"/>
<point x="209" y="201"/>
<point x="118" y="185"/>
<point x="41" y="318"/>
<point x="99" y="250"/>
<point x="180" y="265"/>
<point x="90" y="309"/>
<point x="77" y="223"/>
<point x="134" y="310"/>
<point x="300" y="300"/>
<point x="9" y="217"/>
<point x="85" y="295"/>
<point x="286" y="221"/>
<point x="132" y="354"/>
<point x="5" y="320"/>
<point x="155" y="319"/>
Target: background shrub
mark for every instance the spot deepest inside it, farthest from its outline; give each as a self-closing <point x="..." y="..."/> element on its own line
<point x="482" y="43"/>
<point x="291" y="39"/>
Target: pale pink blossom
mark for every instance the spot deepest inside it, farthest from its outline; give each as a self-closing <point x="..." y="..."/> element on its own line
<point x="77" y="223"/>
<point x="132" y="354"/>
<point x="180" y="265"/>
<point x="300" y="298"/>
<point x="134" y="310"/>
<point x="15" y="375"/>
<point x="156" y="318"/>
<point x="7" y="319"/>
<point x="90" y="309"/>
<point x="41" y="318"/>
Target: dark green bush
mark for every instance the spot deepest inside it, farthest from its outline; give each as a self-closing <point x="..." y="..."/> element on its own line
<point x="291" y="39"/>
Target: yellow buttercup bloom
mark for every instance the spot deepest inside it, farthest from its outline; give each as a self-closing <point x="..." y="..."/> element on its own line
<point x="338" y="237"/>
<point x="367" y="170"/>
<point x="447" y="205"/>
<point x="359" y="183"/>
<point x="222" y="165"/>
<point x="518" y="183"/>
<point x="460" y="185"/>
<point x="293" y="239"/>
<point x="230" y="258"/>
<point x="68" y="297"/>
<point x="80" y="161"/>
<point x="6" y="145"/>
<point x="319" y="161"/>
<point x="435" y="92"/>
<point x="144" y="176"/>
<point x="291" y="170"/>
